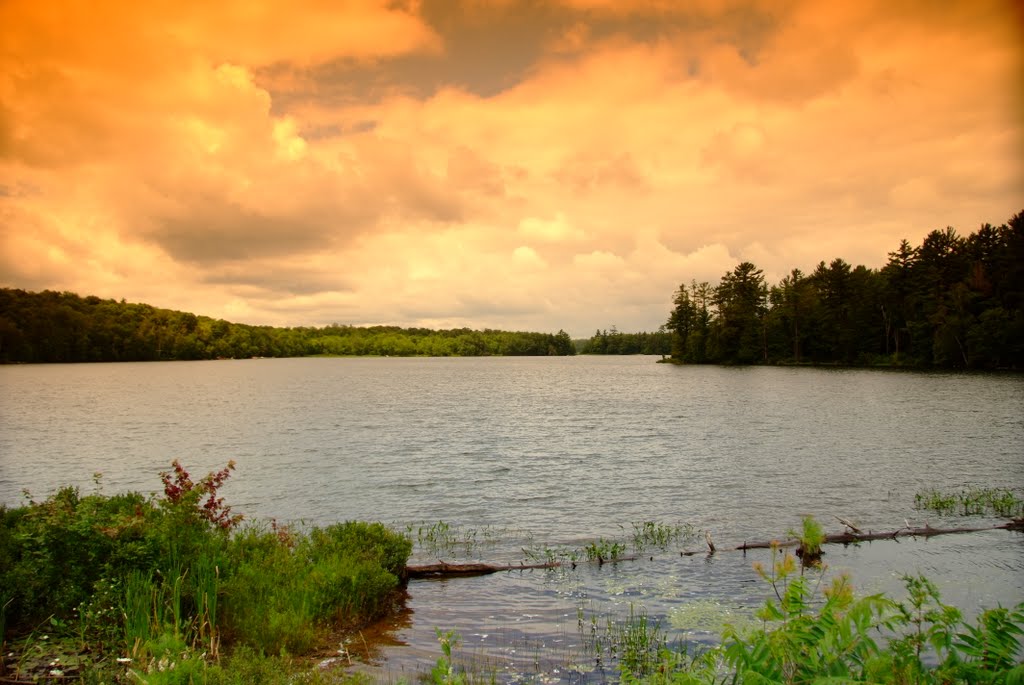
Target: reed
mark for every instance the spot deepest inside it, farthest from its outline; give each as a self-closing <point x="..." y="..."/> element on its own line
<point x="972" y="501"/>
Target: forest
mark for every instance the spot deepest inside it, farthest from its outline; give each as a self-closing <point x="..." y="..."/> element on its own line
<point x="63" y="327"/>
<point x="614" y="341"/>
<point x="950" y="302"/>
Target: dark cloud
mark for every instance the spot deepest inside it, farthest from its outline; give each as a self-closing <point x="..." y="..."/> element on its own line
<point x="272" y="281"/>
<point x="470" y="308"/>
<point x="218" y="232"/>
<point x="492" y="47"/>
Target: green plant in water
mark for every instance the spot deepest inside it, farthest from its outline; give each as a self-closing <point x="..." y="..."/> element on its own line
<point x="811" y="537"/>
<point x="637" y="644"/>
<point x="552" y="555"/>
<point x="647" y="534"/>
<point x="603" y="551"/>
<point x="972" y="501"/>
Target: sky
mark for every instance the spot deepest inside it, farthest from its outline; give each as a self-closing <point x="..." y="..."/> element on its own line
<point x="515" y="164"/>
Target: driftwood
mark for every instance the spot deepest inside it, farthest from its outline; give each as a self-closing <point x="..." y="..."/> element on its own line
<point x="445" y="570"/>
<point x="850" y="537"/>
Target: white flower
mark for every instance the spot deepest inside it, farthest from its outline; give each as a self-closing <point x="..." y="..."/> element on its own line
<point x="56" y="672"/>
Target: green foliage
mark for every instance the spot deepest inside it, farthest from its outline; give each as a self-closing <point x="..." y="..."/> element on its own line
<point x="951" y="302"/>
<point x="443" y="672"/>
<point x="972" y="502"/>
<point x="161" y="581"/>
<point x="617" y="342"/>
<point x="802" y="639"/>
<point x="637" y="644"/>
<point x="811" y="537"/>
<point x="648" y="534"/>
<point x="63" y="327"/>
<point x="836" y="637"/>
<point x="281" y="589"/>
<point x="603" y="551"/>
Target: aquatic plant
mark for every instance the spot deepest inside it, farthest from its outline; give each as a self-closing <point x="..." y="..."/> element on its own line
<point x="443" y="538"/>
<point x="811" y="537"/>
<point x="603" y="551"/>
<point x="972" y="501"/>
<point x="648" y="534"/>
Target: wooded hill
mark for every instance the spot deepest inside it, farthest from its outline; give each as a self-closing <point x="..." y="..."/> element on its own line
<point x="951" y="302"/>
<point x="63" y="327"/>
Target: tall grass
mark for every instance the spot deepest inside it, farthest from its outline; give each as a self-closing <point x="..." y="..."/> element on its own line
<point x="140" y="579"/>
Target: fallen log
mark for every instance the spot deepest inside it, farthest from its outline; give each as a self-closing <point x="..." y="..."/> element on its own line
<point x="446" y="570"/>
<point x="850" y="537"/>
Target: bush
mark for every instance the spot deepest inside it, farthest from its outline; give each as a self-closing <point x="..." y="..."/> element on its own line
<point x="281" y="585"/>
<point x="130" y="575"/>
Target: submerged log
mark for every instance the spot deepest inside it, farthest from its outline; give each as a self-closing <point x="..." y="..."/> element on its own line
<point x="850" y="537"/>
<point x="446" y="570"/>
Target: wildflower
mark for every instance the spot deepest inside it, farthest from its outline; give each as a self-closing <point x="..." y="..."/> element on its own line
<point x="56" y="672"/>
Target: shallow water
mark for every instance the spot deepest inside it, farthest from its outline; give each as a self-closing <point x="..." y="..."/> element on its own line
<point x="547" y="452"/>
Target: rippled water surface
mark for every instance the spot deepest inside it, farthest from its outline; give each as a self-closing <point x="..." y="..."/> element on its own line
<point x="535" y="452"/>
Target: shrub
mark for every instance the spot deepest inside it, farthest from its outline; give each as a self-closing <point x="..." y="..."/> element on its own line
<point x="121" y="573"/>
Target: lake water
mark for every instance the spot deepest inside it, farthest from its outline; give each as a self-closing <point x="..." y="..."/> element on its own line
<point x="549" y="453"/>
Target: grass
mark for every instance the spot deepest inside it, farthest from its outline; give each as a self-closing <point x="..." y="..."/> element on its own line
<point x="634" y="644"/>
<point x="177" y="589"/>
<point x="447" y="539"/>
<point x="645" y="536"/>
<point x="655" y="535"/>
<point x="147" y="589"/>
<point x="811" y="537"/>
<point x="972" y="501"/>
<point x="604" y="551"/>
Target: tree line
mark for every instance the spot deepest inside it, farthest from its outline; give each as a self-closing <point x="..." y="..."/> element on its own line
<point x="54" y="326"/>
<point x="950" y="302"/>
<point x="615" y="341"/>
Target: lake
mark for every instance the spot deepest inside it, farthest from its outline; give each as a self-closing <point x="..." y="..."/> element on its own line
<point x="549" y="453"/>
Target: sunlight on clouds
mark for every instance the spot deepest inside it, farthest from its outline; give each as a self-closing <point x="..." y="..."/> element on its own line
<point x="290" y="145"/>
<point x="527" y="258"/>
<point x="228" y="150"/>
<point x="556" y="230"/>
<point x="599" y="260"/>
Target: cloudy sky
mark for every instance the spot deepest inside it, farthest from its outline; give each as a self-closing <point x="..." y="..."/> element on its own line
<point x="517" y="164"/>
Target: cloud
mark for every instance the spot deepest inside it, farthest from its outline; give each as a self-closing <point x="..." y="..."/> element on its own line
<point x="557" y="229"/>
<point x="527" y="258"/>
<point x="529" y="165"/>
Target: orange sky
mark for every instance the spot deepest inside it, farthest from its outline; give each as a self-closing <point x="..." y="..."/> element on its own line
<point x="513" y="164"/>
